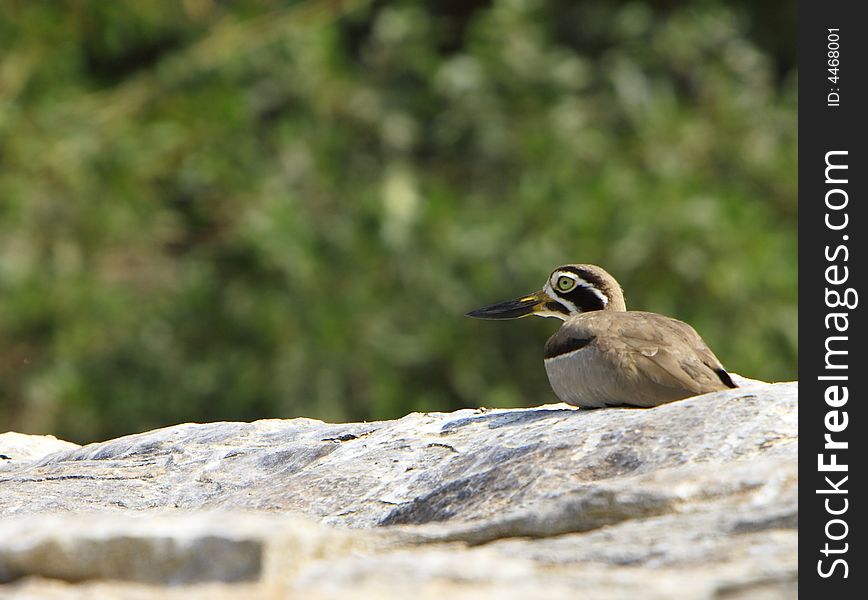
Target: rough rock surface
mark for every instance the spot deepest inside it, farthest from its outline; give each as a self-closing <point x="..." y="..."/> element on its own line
<point x="23" y="447"/>
<point x="694" y="499"/>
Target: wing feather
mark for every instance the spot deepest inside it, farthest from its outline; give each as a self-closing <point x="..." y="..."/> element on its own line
<point x="634" y="358"/>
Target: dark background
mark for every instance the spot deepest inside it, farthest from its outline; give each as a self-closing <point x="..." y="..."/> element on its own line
<point x="222" y="211"/>
<point x="823" y="129"/>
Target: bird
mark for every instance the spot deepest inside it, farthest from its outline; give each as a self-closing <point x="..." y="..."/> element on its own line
<point x="606" y="356"/>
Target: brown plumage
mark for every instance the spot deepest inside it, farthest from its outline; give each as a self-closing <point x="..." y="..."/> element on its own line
<point x="604" y="355"/>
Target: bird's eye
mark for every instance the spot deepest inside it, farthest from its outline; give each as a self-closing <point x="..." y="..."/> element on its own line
<point x="565" y="284"/>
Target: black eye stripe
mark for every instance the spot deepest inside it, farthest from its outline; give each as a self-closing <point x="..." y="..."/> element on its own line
<point x="585" y="298"/>
<point x="557" y="307"/>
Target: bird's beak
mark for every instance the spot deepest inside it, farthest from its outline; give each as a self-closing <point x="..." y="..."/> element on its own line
<point x="513" y="309"/>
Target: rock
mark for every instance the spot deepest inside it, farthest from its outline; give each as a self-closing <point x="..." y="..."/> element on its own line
<point x="691" y="499"/>
<point x="164" y="547"/>
<point x="18" y="448"/>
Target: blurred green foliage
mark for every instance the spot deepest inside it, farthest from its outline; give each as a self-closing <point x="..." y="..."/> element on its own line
<point x="219" y="211"/>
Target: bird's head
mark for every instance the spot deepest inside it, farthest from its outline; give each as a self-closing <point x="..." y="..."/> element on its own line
<point x="570" y="290"/>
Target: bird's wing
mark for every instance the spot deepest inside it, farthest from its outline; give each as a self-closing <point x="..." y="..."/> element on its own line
<point x="630" y="358"/>
<point x="666" y="351"/>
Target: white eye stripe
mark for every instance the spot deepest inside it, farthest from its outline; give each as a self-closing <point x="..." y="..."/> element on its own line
<point x="603" y="297"/>
<point x="572" y="308"/>
<point x="552" y="285"/>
